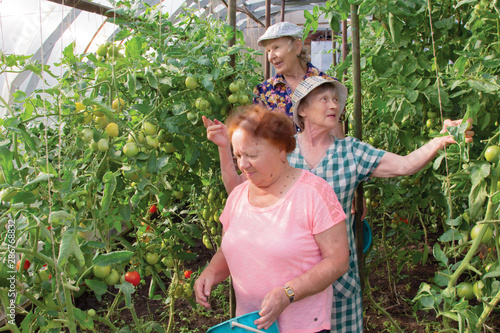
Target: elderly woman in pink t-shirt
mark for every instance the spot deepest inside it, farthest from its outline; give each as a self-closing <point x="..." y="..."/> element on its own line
<point x="284" y="234"/>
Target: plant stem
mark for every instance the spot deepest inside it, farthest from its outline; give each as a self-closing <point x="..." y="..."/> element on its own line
<point x="377" y="306"/>
<point x="487" y="309"/>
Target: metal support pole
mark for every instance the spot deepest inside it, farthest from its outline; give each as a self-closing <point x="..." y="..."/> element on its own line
<point x="267" y="67"/>
<point x="356" y="83"/>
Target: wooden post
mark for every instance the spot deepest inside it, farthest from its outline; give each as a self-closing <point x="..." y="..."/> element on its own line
<point x="345" y="50"/>
<point x="231" y="12"/>
<point x="267" y="67"/>
<point x="356" y="83"/>
<point x="282" y="10"/>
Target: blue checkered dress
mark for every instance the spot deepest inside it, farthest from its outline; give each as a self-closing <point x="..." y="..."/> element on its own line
<point x="347" y="163"/>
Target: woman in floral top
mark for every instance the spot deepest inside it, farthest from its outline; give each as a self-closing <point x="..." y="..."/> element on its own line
<point x="291" y="61"/>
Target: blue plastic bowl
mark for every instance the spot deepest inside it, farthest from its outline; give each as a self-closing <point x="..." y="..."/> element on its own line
<point x="367" y="235"/>
<point x="241" y="323"/>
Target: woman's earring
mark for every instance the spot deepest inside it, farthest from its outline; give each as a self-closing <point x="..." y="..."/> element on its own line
<point x="298" y="55"/>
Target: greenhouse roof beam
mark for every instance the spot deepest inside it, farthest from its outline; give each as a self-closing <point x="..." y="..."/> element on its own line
<point x="88" y="7"/>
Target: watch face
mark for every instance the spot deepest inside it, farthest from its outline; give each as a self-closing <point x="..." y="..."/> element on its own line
<point x="289" y="292"/>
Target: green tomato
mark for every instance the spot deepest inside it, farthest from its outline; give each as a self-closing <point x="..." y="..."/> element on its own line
<point x="178" y="195"/>
<point x="152" y="142"/>
<point x="488" y="235"/>
<point x="243" y="98"/>
<point x="91" y="313"/>
<point x="492" y="154"/>
<point x="152" y="258"/>
<point x="233" y="98"/>
<point x="169" y="147"/>
<point x="130" y="149"/>
<point x="112" y="278"/>
<point x="464" y="290"/>
<point x="87" y="135"/>
<point x="101" y="122"/>
<point x="168" y="262"/>
<point x="201" y="103"/>
<point x="102" y="50"/>
<point x="191" y="82"/>
<point x="101" y="271"/>
<point x="234" y="87"/>
<point x="149" y="128"/>
<point x="112" y="130"/>
<point x="191" y="116"/>
<point x="103" y="145"/>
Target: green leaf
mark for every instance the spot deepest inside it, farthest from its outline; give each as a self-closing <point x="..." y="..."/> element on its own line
<point x="179" y="108"/>
<point x="109" y="179"/>
<point x="127" y="289"/>
<point x="437" y="161"/>
<point x="114" y="257"/>
<point x="97" y="286"/>
<point x="83" y="319"/>
<point x="7" y="165"/>
<point x="42" y="177"/>
<point x="495" y="198"/>
<point x="131" y="83"/>
<point x="125" y="212"/>
<point x="450" y="235"/>
<point x="493" y="274"/>
<point x="153" y="81"/>
<point x="69" y="246"/>
<point x="207" y="82"/>
<point x="191" y="154"/>
<point x="454" y="222"/>
<point x="151" y="163"/>
<point x="477" y="197"/>
<point x="133" y="47"/>
<point x="60" y="217"/>
<point x="439" y="254"/>
<point x="479" y="171"/>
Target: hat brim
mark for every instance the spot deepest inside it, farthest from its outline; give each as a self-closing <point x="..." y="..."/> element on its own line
<point x="341" y="93"/>
<point x="263" y="39"/>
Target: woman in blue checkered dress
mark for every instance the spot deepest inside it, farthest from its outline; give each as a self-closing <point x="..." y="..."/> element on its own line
<point x="343" y="163"/>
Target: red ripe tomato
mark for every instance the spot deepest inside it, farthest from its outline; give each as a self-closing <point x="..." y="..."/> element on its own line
<point x="133" y="277"/>
<point x="27" y="264"/>
<point x="187" y="274"/>
<point x="152" y="209"/>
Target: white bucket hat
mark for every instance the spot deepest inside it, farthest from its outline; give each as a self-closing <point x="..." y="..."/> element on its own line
<point x="308" y="85"/>
<point x="281" y="29"/>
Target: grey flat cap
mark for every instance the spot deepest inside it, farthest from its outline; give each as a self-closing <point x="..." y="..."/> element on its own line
<point x="281" y="29"/>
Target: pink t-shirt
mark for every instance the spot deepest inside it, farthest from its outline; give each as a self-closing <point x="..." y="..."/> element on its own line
<point x="267" y="247"/>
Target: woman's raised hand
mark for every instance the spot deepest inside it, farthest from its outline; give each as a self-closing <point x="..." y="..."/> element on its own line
<point x="216" y="132"/>
<point x="448" y="123"/>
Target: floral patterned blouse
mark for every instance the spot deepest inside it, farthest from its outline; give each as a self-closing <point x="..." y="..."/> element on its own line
<point x="276" y="94"/>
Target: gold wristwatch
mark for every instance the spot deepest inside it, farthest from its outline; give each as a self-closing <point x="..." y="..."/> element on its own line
<point x="289" y="292"/>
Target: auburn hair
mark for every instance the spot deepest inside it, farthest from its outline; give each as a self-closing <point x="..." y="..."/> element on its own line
<point x="260" y="122"/>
